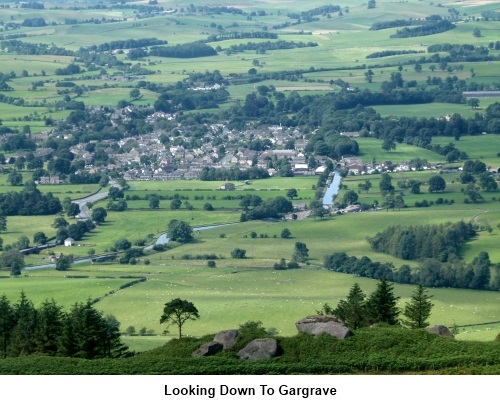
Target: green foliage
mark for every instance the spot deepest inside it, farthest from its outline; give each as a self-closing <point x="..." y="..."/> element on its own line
<point x="12" y="258"/>
<point x="99" y="215"/>
<point x="353" y="310"/>
<point x="437" y="183"/>
<point x="238" y="253"/>
<point x="177" y="312"/>
<point x="382" y="304"/>
<point x="285" y="233"/>
<point x="418" y="310"/>
<point x="180" y="231"/>
<point x="64" y="262"/>
<point x="380" y="350"/>
<point x="425" y="241"/>
<point x="300" y="252"/>
<point x="48" y="331"/>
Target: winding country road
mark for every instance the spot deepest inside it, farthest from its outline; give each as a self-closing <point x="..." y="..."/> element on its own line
<point x="82" y="202"/>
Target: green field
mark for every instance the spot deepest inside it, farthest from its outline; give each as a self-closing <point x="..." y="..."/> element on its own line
<point x="484" y="147"/>
<point x="370" y="149"/>
<point x="228" y="297"/>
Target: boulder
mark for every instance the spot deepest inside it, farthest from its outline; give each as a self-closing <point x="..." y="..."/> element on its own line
<point x="259" y="349"/>
<point x="208" y="349"/>
<point x="227" y="338"/>
<point x="317" y="324"/>
<point x="441" y="330"/>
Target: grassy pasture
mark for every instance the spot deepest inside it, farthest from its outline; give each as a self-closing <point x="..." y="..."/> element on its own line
<point x="227" y="298"/>
<point x="371" y="148"/>
<point x="483" y="147"/>
<point x="273" y="183"/>
<point x="434" y="110"/>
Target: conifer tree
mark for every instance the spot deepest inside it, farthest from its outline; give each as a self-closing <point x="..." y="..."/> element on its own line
<point x="418" y="310"/>
<point x="382" y="304"/>
<point x="49" y="327"/>
<point x="7" y="323"/>
<point x="23" y="334"/>
<point x="352" y="310"/>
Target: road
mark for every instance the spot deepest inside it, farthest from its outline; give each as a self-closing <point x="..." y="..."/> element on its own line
<point x="82" y="202"/>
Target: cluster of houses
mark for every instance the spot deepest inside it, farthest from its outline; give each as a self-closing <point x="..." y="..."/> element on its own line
<point x="147" y="158"/>
<point x="356" y="166"/>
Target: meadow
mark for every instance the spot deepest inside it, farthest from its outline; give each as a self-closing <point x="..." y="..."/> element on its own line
<point x="229" y="297"/>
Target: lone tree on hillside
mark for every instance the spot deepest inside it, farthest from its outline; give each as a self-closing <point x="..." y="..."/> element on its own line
<point x="180" y="231"/>
<point x="418" y="310"/>
<point x="300" y="252"/>
<point x="292" y="193"/>
<point x="178" y="311"/>
<point x="436" y="183"/>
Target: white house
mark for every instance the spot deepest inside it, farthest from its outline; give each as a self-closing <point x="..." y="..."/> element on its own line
<point x="69" y="242"/>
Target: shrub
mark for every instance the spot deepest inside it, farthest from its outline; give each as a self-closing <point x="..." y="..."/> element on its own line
<point x="211" y="264"/>
<point x="238" y="253"/>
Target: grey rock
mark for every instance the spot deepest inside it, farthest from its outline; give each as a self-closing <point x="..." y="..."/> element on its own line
<point x="317" y="324"/>
<point x="259" y="349"/>
<point x="441" y="330"/>
<point x="227" y="338"/>
<point x="208" y="349"/>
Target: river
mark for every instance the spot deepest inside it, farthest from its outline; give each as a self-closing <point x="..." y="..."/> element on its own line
<point x="163" y="238"/>
<point x="332" y="190"/>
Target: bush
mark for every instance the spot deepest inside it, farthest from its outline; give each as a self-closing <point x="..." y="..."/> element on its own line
<point x="238" y="253"/>
<point x="211" y="264"/>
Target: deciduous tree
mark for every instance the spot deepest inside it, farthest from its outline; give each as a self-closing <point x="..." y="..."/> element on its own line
<point x="436" y="183"/>
<point x="177" y="312"/>
<point x="300" y="252"/>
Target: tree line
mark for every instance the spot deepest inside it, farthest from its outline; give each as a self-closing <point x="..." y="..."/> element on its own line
<point x="426" y="29"/>
<point x="126" y="44"/>
<point x="211" y="174"/>
<point x="192" y="50"/>
<point x="81" y="332"/>
<point x="455" y="273"/>
<point x="261" y="47"/>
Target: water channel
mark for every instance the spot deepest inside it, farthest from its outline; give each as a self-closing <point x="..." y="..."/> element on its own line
<point x="332" y="190"/>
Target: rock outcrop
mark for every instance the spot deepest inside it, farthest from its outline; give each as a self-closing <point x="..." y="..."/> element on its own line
<point x="227" y="338"/>
<point x="441" y="330"/>
<point x="208" y="349"/>
<point x="259" y="349"/>
<point x="318" y="324"/>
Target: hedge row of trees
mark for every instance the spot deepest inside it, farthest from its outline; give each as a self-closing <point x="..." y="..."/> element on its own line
<point x="427" y="29"/>
<point x="192" y="50"/>
<point x="269" y="46"/>
<point x="210" y="174"/>
<point x="455" y="273"/>
<point x="47" y="330"/>
<point x="127" y="44"/>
